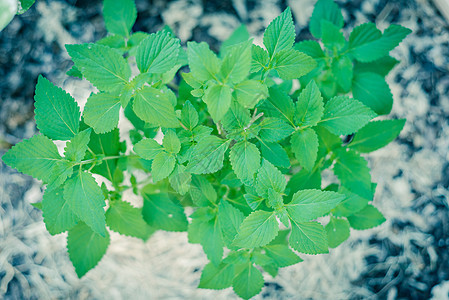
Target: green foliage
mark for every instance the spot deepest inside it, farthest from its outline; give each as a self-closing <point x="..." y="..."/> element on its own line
<point x="234" y="141"/>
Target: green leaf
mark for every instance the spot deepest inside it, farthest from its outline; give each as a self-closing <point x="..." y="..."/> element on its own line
<point x="280" y="34"/>
<point x="230" y="219"/>
<point x="343" y="71"/>
<point x="332" y="36"/>
<point x="104" y="67"/>
<point x="76" y="148"/>
<point x="352" y="204"/>
<point x="237" y="117"/>
<point x="245" y="161"/>
<point x="304" y="180"/>
<point x="308" y="238"/>
<point x="148" y="149"/>
<point x="57" y="113"/>
<point x="260" y="58"/>
<point x="275" y="154"/>
<point x="353" y="172"/>
<point x="24" y="6"/>
<point x="311" y="48"/>
<point x="180" y="180"/>
<point x="274" y="199"/>
<point x="325" y="10"/>
<point x="86" y="200"/>
<point x="126" y="219"/>
<point x="256" y="230"/>
<point x="207" y="156"/>
<point x="216" y="277"/>
<point x="282" y="255"/>
<point x="274" y="129"/>
<point x="249" y="92"/>
<point x="239" y="35"/>
<point x="367" y="218"/>
<point x="367" y="43"/>
<point x="119" y="16"/>
<point x="107" y="144"/>
<point x="202" y="192"/>
<point x="279" y="105"/>
<point x="218" y="100"/>
<point x="311" y="204"/>
<point x="171" y="142"/>
<point x="212" y="241"/>
<point x="237" y="63"/>
<point x="337" y="231"/>
<point x="86" y="248"/>
<point x="102" y="112"/>
<point x="343" y="115"/>
<point x="376" y="135"/>
<point x="203" y="63"/>
<point x="58" y="216"/>
<point x="292" y="64"/>
<point x="372" y="90"/>
<point x="381" y="66"/>
<point x="163" y="165"/>
<point x="158" y="53"/>
<point x="36" y="157"/>
<point x="162" y="212"/>
<point x="248" y="282"/>
<point x="310" y="106"/>
<point x="305" y="147"/>
<point x="268" y="177"/>
<point x="189" y="115"/>
<point x="154" y="107"/>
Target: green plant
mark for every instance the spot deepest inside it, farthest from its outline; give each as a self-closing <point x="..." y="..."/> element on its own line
<point x="9" y="8"/>
<point x="241" y="145"/>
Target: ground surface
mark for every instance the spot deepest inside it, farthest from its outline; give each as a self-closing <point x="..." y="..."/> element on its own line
<point x="405" y="258"/>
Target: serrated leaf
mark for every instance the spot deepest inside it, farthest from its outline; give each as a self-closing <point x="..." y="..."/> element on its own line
<point x="218" y="99"/>
<point x="212" y="241"/>
<point x="58" y="216"/>
<point x="332" y="36"/>
<point x="304" y="180"/>
<point x="57" y="113"/>
<point x="154" y="107"/>
<point x="307" y="205"/>
<point x="126" y="219"/>
<point x="367" y="218"/>
<point x="325" y="10"/>
<point x="256" y="230"/>
<point x="119" y="16"/>
<point x="162" y="212"/>
<point x="104" y="67"/>
<point x="311" y="48"/>
<point x="381" y="66"/>
<point x="148" y="148"/>
<point x="230" y="219"/>
<point x="353" y="172"/>
<point x="249" y="92"/>
<point x="343" y="71"/>
<point x="163" y="165"/>
<point x="203" y="63"/>
<point x="279" y="105"/>
<point x="310" y="106"/>
<point x="280" y="34"/>
<point x="216" y="277"/>
<point x="239" y="35"/>
<point x="102" y="112"/>
<point x="275" y="154"/>
<point x="107" y="144"/>
<point x="305" y="147"/>
<point x="308" y="238"/>
<point x="189" y="115"/>
<point x="86" y="200"/>
<point x="237" y="117"/>
<point x="171" y="142"/>
<point x="158" y="53"/>
<point x="36" y="157"/>
<point x="274" y="129"/>
<point x="260" y="58"/>
<point x="207" y="156"/>
<point x="237" y="63"/>
<point x="76" y="148"/>
<point x="180" y="180"/>
<point x="367" y="43"/>
<point x="343" y="115"/>
<point x="268" y="177"/>
<point x="372" y="90"/>
<point x="337" y="231"/>
<point x="245" y="161"/>
<point x="86" y="247"/>
<point x="353" y="203"/>
<point x="282" y="255"/>
<point x="202" y="192"/>
<point x="248" y="282"/>
<point x="274" y="199"/>
<point x="376" y="135"/>
<point x="292" y="64"/>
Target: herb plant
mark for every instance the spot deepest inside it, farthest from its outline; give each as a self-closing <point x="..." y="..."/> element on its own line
<point x="246" y="134"/>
